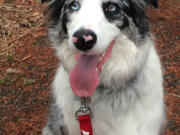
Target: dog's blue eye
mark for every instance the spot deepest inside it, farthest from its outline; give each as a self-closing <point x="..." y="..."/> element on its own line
<point x="74" y="6"/>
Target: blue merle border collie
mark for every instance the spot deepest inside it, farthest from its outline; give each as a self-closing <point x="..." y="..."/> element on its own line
<point x="107" y="54"/>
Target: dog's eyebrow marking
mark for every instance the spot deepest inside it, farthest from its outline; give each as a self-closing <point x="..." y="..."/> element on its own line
<point x="120" y="19"/>
<point x="132" y="15"/>
<point x="121" y="3"/>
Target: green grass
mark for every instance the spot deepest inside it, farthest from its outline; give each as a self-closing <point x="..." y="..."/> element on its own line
<point x="10" y="57"/>
<point x="2" y="82"/>
<point x="29" y="81"/>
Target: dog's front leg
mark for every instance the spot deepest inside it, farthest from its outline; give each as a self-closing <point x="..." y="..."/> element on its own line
<point x="55" y="125"/>
<point x="154" y="122"/>
<point x="62" y="119"/>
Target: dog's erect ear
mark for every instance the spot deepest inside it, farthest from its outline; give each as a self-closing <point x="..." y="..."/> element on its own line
<point x="54" y="8"/>
<point x="153" y="2"/>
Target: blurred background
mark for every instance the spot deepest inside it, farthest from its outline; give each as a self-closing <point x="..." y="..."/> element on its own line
<point x="28" y="63"/>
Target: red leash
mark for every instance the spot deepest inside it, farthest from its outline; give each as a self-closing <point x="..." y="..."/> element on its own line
<point x="84" y="116"/>
<point x="85" y="125"/>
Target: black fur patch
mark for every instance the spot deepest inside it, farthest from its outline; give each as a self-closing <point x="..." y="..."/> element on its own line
<point x="65" y="18"/>
<point x="139" y="17"/>
<point x="153" y="2"/>
<point x="131" y="8"/>
<point x="42" y="1"/>
<point x="56" y="7"/>
<point x="118" y="16"/>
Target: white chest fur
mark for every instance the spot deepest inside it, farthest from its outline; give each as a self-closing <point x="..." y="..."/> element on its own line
<point x="113" y="118"/>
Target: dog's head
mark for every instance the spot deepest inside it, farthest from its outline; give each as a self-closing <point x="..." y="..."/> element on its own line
<point x="106" y="38"/>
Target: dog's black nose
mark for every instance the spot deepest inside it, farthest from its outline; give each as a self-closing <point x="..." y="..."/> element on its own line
<point x="84" y="40"/>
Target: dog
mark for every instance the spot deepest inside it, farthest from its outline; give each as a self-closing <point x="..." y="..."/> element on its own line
<point x="107" y="55"/>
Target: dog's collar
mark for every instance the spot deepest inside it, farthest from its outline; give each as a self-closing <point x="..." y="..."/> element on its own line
<point x="84" y="115"/>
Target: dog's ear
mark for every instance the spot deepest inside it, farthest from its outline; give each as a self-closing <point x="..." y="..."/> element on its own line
<point x="152" y="2"/>
<point x="56" y="6"/>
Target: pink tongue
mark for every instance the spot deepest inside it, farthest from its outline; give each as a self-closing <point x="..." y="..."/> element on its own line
<point x="84" y="77"/>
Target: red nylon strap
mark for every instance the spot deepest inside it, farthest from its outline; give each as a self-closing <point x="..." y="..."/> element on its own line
<point x="85" y="124"/>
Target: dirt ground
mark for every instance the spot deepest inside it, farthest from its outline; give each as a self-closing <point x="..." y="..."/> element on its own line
<point x="28" y="63"/>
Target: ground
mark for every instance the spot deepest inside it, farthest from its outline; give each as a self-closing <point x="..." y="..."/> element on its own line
<point x="28" y="63"/>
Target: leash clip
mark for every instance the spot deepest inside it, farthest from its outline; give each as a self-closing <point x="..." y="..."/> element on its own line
<point x="84" y="110"/>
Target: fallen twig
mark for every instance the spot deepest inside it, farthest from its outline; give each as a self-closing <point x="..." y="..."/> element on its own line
<point x="175" y="95"/>
<point x="25" y="58"/>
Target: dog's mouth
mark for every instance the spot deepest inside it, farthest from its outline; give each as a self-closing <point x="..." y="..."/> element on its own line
<point x="84" y="76"/>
